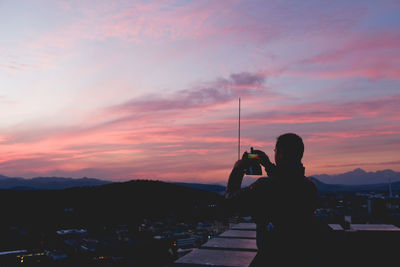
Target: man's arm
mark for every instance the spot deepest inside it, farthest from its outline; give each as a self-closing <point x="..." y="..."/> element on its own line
<point x="244" y="200"/>
<point x="236" y="198"/>
<point x="235" y="179"/>
<point x="238" y="171"/>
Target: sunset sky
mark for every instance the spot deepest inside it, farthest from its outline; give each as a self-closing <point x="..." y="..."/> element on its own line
<point x="122" y="90"/>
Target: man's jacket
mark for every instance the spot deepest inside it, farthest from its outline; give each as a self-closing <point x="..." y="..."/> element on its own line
<point x="282" y="206"/>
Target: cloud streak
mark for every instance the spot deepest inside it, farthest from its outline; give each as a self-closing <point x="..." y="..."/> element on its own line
<point x="385" y="108"/>
<point x="206" y="95"/>
<point x="369" y="55"/>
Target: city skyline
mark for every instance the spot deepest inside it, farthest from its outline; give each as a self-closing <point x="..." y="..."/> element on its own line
<point x="149" y="90"/>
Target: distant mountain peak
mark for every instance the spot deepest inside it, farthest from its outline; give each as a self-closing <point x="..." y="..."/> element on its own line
<point x="360" y="177"/>
<point x="358" y="171"/>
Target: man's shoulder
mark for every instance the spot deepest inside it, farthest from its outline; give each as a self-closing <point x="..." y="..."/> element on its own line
<point x="262" y="182"/>
<point x="309" y="181"/>
<point x="270" y="180"/>
<point x="311" y="184"/>
<point x="265" y="179"/>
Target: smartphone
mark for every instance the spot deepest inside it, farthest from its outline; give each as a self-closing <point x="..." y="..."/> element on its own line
<point x="253" y="167"/>
<point x="252" y="156"/>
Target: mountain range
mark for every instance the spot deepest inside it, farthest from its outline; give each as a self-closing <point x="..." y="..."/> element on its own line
<point x="356" y="180"/>
<point x="115" y="203"/>
<point x="322" y="187"/>
<point x="47" y="183"/>
<point x="360" y="177"/>
<point x="355" y="177"/>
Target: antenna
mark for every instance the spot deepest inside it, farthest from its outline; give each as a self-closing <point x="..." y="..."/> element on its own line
<point x="239" y="133"/>
<point x="390" y="194"/>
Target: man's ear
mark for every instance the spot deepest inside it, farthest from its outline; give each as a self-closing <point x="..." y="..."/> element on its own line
<point x="279" y="155"/>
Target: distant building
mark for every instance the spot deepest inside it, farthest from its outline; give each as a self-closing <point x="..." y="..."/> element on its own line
<point x="10" y="257"/>
<point x="184" y="241"/>
<point x="71" y="231"/>
<point x="56" y="255"/>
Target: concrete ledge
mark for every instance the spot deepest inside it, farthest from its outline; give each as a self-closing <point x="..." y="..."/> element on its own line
<point x="244" y="226"/>
<point x="221" y="258"/>
<point x="239" y="234"/>
<point x="234" y="244"/>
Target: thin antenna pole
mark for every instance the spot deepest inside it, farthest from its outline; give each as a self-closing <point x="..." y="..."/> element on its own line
<point x="390" y="193"/>
<point x="239" y="133"/>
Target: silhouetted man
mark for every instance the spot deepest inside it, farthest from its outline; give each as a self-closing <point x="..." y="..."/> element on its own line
<point x="282" y="205"/>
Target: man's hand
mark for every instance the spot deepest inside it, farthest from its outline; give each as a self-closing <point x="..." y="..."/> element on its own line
<point x="263" y="158"/>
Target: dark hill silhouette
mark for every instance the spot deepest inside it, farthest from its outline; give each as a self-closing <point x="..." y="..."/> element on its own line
<point x="208" y="187"/>
<point x="126" y="202"/>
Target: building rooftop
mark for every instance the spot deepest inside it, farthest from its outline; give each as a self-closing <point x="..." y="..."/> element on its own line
<point x="209" y="257"/>
<point x="236" y="247"/>
<point x="236" y="244"/>
<point x="71" y="231"/>
<point x="12" y="252"/>
<point x="336" y="227"/>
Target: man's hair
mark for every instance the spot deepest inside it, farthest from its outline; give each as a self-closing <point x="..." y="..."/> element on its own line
<point x="291" y="145"/>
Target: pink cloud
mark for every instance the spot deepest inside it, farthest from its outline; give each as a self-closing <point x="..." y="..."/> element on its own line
<point x="360" y="164"/>
<point x="299" y="117"/>
<point x="86" y="149"/>
<point x="351" y="134"/>
<point x="385" y="108"/>
<point x="157" y="20"/>
<point x="364" y="44"/>
<point x="14" y="66"/>
<point x="369" y="55"/>
<point x="376" y="70"/>
<point x="115" y="146"/>
<point x="205" y="22"/>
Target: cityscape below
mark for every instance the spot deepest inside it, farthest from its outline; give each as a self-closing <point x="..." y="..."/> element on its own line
<point x="147" y="223"/>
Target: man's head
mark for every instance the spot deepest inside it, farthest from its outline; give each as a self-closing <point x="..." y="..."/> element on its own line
<point x="289" y="148"/>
